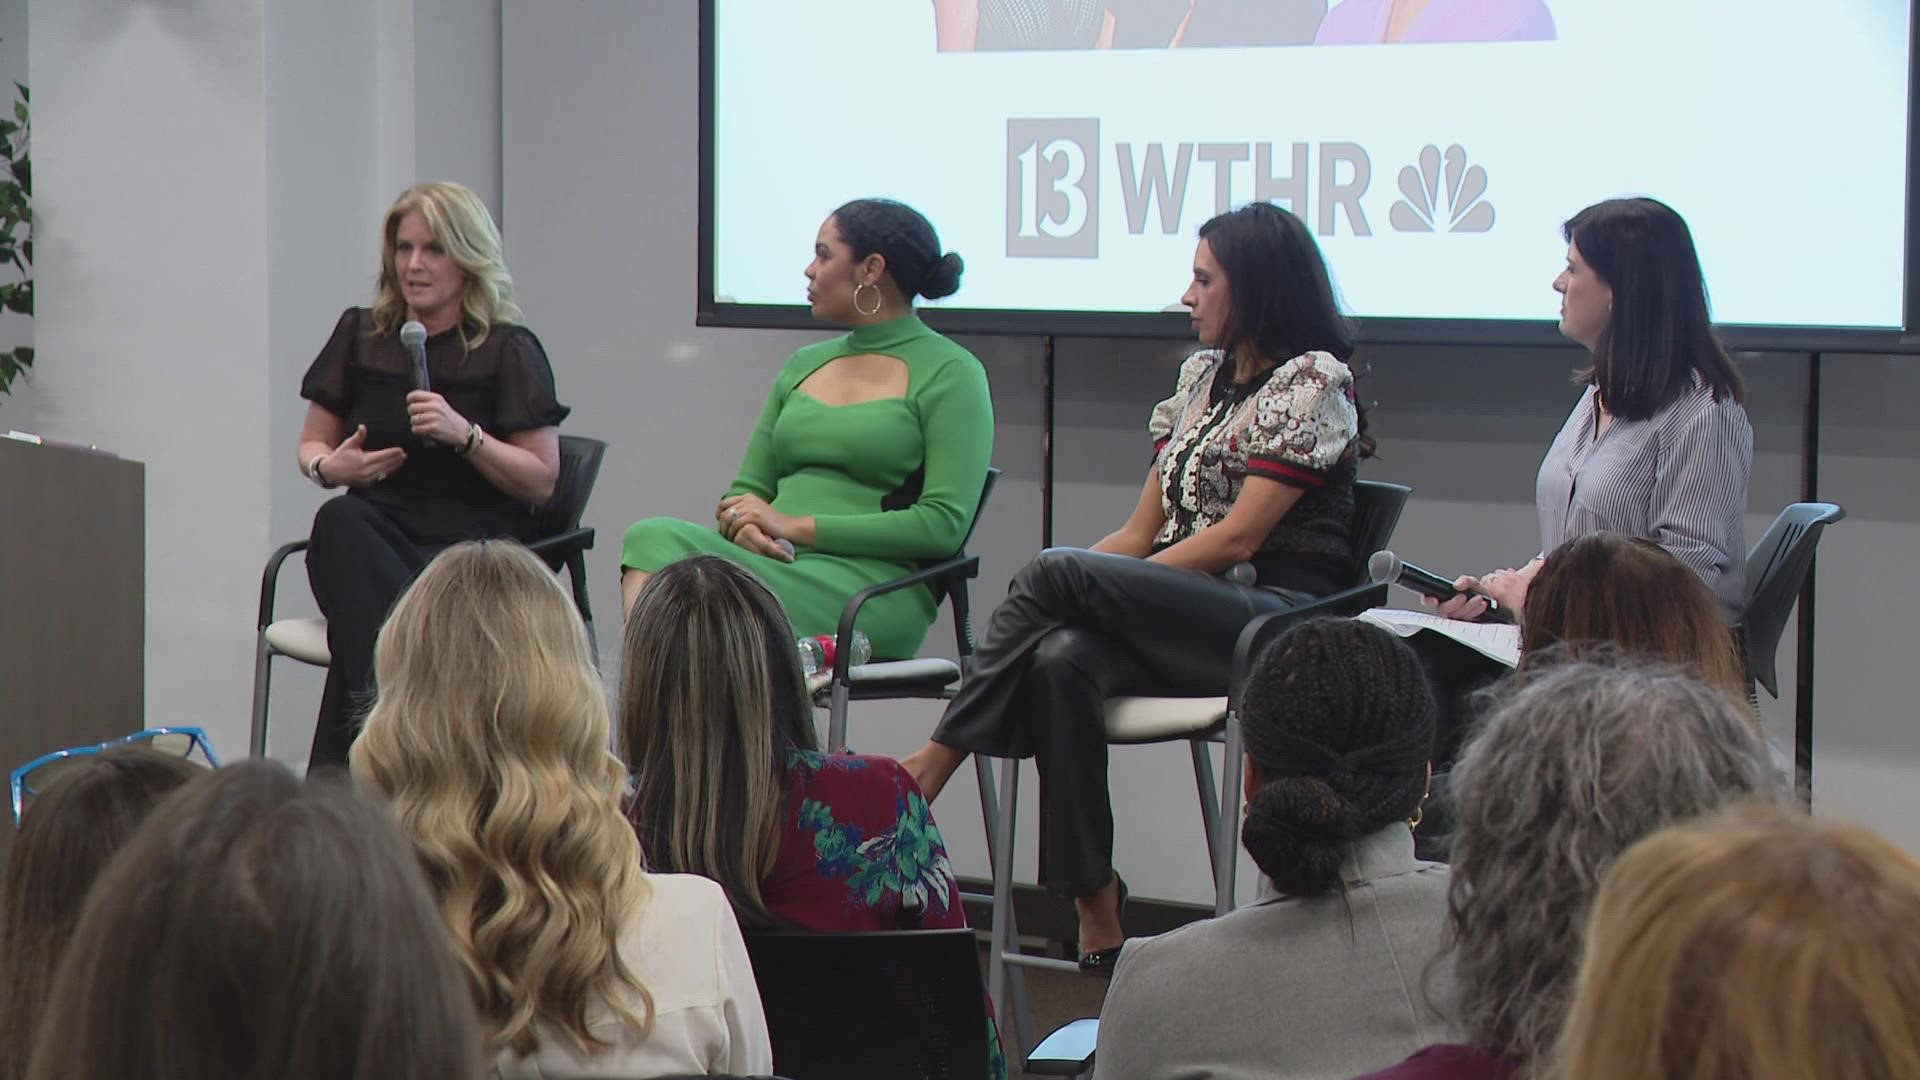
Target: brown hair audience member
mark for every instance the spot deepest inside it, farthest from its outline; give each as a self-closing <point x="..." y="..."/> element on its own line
<point x="729" y="782"/>
<point x="66" y="837"/>
<point x="258" y="928"/>
<point x="1579" y="761"/>
<point x="491" y="736"/>
<point x="1758" y="942"/>
<point x="1629" y="592"/>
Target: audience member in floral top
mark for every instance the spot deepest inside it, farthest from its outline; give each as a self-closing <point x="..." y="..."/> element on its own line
<point x="717" y="728"/>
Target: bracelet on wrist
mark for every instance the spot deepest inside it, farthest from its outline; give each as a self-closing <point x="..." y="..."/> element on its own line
<point x="475" y="437"/>
<point x="313" y="470"/>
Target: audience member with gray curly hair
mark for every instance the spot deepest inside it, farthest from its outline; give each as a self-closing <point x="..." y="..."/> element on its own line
<point x="1578" y="762"/>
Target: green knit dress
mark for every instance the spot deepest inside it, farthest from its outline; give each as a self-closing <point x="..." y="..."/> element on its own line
<point x="890" y="483"/>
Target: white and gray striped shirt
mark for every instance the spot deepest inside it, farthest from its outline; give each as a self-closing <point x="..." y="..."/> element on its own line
<point x="1678" y="479"/>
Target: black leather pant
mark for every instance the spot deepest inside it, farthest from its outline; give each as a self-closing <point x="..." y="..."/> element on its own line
<point x="1079" y="627"/>
<point x="359" y="561"/>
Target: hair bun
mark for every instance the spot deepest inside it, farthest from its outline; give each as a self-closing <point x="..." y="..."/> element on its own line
<point x="943" y="277"/>
<point x="1297" y="830"/>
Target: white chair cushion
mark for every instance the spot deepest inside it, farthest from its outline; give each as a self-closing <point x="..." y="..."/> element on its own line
<point x="886" y="673"/>
<point x="303" y="639"/>
<point x="1157" y="719"/>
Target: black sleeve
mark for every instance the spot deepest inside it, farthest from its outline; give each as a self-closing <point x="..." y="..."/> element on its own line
<point x="527" y="397"/>
<point x="328" y="382"/>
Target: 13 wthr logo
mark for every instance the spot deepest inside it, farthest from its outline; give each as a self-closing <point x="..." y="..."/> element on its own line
<point x="1054" y="168"/>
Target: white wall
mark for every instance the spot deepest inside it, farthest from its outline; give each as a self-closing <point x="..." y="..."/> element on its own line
<point x="150" y="178"/>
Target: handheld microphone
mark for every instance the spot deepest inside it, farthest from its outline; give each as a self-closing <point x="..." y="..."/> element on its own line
<point x="413" y="338"/>
<point x="1385" y="566"/>
<point x="785" y="545"/>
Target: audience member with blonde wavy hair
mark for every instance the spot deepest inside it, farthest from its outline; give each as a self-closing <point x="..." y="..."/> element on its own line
<point x="259" y="928"/>
<point x="465" y="454"/>
<point x="1578" y="762"/>
<point x="1758" y="942"/>
<point x="490" y="736"/>
<point x="1633" y="595"/>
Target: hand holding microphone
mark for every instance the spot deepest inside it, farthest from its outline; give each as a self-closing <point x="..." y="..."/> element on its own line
<point x="431" y="418"/>
<point x="428" y="414"/>
<point x="1387" y="567"/>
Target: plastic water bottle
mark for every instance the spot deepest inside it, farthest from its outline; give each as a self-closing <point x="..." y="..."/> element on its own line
<point x="817" y="653"/>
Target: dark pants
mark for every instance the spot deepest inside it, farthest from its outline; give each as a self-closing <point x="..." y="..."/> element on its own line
<point x="358" y="563"/>
<point x="1078" y="627"/>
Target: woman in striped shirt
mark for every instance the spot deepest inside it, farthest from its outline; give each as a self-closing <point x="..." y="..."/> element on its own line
<point x="1659" y="446"/>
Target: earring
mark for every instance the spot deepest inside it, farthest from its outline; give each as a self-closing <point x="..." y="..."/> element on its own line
<point x="1419" y="812"/>
<point x="878" y="300"/>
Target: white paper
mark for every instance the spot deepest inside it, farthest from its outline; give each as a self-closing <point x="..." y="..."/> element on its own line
<point x="1496" y="641"/>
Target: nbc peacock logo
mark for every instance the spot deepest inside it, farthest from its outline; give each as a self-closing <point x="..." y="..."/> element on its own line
<point x="1456" y="207"/>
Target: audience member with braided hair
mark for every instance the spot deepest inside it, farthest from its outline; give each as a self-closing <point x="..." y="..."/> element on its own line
<point x="1328" y="975"/>
<point x="1758" y="942"/>
<point x="1577" y="763"/>
<point x="872" y="450"/>
<point x="1630" y="594"/>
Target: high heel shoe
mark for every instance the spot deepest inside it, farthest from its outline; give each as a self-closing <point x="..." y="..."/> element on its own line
<point x="1101" y="962"/>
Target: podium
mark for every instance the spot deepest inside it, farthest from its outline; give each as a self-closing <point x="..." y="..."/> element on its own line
<point x="72" y="600"/>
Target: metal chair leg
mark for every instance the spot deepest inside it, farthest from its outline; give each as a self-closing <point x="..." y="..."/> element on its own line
<point x="1226" y="854"/>
<point x="1001" y="940"/>
<point x="262" y="682"/>
<point x="1019" y="1020"/>
<point x="1209" y="801"/>
<point x="837" y="698"/>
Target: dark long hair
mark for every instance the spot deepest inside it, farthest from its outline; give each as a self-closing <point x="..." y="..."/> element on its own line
<point x="1630" y="594"/>
<point x="259" y="928"/>
<point x="1660" y="334"/>
<point x="711" y="701"/>
<point x="1339" y="719"/>
<point x="66" y="837"/>
<point x="1280" y="293"/>
<point x="905" y="238"/>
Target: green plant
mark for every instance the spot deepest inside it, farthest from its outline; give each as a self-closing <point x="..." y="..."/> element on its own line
<point x="16" y="231"/>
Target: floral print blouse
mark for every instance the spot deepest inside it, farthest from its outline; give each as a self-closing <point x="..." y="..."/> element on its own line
<point x="1295" y="424"/>
<point x="859" y="851"/>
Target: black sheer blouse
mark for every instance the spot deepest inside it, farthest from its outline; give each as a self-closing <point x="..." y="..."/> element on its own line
<point x="437" y="497"/>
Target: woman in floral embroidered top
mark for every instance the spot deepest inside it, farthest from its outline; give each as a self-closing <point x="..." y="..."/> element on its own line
<point x="717" y="727"/>
<point x="1254" y="460"/>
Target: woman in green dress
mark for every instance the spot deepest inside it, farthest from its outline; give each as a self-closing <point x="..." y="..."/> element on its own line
<point x="871" y="452"/>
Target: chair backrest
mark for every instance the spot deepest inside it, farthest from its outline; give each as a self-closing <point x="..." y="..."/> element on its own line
<point x="1376" y="511"/>
<point x="887" y="1005"/>
<point x="941" y="586"/>
<point x="1776" y="569"/>
<point x="579" y="467"/>
<point x="979" y="508"/>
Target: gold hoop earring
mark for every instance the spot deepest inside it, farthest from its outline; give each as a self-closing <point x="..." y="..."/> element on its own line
<point x="1419" y="812"/>
<point x="878" y="300"/>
